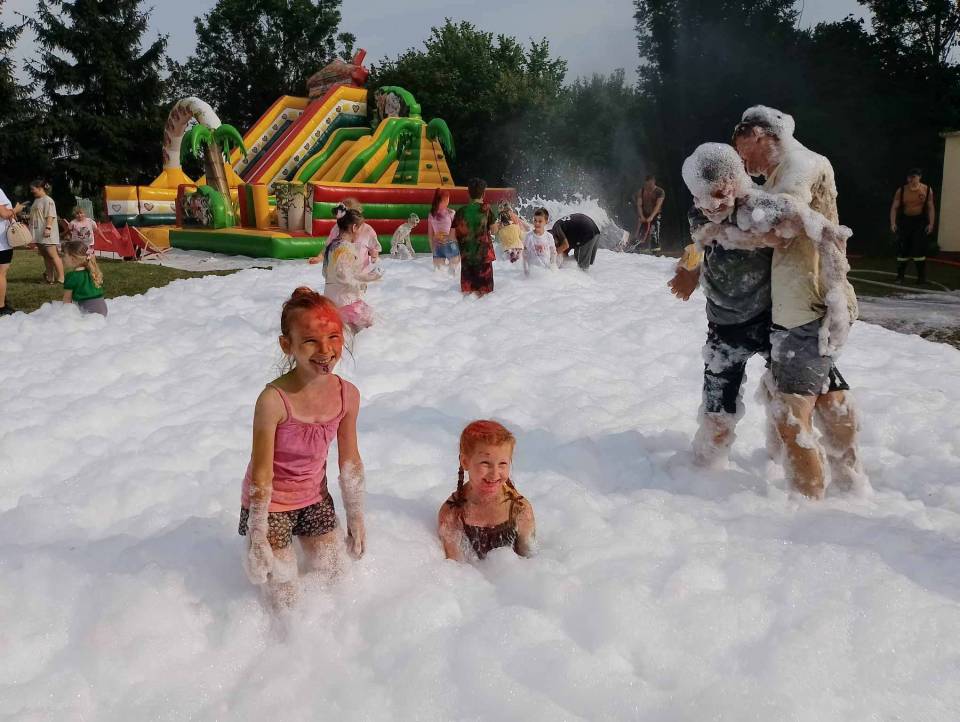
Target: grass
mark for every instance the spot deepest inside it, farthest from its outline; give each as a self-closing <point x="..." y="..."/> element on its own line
<point x="26" y="290"/>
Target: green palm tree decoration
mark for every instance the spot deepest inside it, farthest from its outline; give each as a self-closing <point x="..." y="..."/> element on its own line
<point x="437" y="129"/>
<point x="214" y="147"/>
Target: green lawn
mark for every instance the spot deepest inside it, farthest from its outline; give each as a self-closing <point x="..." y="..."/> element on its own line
<point x="26" y="290"/>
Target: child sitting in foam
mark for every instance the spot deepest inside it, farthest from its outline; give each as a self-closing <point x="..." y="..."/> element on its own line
<point x="510" y="235"/>
<point x="486" y="512"/>
<point x="296" y="419"/>
<point x="400" y="246"/>
<point x="720" y="186"/>
<point x="539" y="247"/>
<point x="346" y="279"/>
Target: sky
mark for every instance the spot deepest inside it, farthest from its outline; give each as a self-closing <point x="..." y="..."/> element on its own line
<point x="595" y="36"/>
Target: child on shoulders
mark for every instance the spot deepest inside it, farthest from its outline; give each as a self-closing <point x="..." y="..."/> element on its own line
<point x="295" y="421"/>
<point x="486" y="512"/>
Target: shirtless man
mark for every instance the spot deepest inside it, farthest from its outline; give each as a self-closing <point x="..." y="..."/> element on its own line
<point x="649" y="202"/>
<point x="912" y="217"/>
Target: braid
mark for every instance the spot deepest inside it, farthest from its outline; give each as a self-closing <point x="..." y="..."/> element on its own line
<point x="459" y="481"/>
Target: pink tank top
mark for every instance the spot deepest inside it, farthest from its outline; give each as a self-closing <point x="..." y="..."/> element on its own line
<point x="299" y="459"/>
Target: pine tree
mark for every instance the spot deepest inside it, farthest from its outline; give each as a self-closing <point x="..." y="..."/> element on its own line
<point x="101" y="92"/>
<point x="19" y="154"/>
<point x="249" y="52"/>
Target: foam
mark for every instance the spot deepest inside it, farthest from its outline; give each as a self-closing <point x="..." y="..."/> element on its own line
<point x="660" y="591"/>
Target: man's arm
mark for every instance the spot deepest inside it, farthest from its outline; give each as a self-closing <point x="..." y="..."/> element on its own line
<point x="894" y="209"/>
<point x="931" y="211"/>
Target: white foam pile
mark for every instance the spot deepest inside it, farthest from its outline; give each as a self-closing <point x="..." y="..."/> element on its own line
<point x="661" y="591"/>
<point x="610" y="233"/>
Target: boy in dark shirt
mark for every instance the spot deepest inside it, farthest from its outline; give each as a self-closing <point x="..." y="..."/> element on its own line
<point x="580" y="233"/>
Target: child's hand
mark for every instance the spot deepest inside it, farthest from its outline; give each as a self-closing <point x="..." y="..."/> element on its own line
<point x="356" y="536"/>
<point x="260" y="560"/>
<point x="315" y="260"/>
<point x="684" y="283"/>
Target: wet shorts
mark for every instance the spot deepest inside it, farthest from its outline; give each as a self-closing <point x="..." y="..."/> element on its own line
<point x="725" y="356"/>
<point x="796" y="363"/>
<point x="446" y="250"/>
<point x="282" y="526"/>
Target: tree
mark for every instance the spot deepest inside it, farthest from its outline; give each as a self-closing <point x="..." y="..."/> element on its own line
<point x="249" y="52"/>
<point x="496" y="95"/>
<point x="100" y="91"/>
<point x="926" y="29"/>
<point x="703" y="63"/>
<point x="916" y="40"/>
<point x="19" y="152"/>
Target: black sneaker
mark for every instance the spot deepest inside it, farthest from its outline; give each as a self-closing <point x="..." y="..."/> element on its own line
<point x="7" y="310"/>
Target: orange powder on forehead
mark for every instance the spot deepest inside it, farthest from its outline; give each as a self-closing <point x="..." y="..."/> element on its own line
<point x="485" y="432"/>
<point x="306" y="300"/>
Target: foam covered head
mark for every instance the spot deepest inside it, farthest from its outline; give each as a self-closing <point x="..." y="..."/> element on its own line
<point x="711" y="164"/>
<point x="776" y="121"/>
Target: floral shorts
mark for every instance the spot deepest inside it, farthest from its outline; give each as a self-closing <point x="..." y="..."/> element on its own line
<point x="314" y="520"/>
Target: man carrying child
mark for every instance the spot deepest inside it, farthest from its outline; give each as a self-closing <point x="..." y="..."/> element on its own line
<point x="805" y="379"/>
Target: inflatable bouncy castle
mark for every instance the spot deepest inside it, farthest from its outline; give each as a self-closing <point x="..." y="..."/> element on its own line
<point x="272" y="191"/>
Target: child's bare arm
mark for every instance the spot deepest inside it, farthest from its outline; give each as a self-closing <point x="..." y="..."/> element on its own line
<point x="450" y="531"/>
<point x="526" y="531"/>
<point x="352" y="478"/>
<point x="68" y="296"/>
<point x="268" y="413"/>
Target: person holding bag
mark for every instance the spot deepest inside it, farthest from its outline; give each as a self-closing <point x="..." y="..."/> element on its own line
<point x="7" y="216"/>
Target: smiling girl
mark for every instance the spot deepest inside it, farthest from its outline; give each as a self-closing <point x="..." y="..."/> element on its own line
<point x="296" y="418"/>
<point x="486" y="512"/>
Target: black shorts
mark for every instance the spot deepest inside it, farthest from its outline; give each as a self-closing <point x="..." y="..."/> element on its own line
<point x="314" y="520"/>
<point x="912" y="238"/>
<point x="6" y="257"/>
<point x="725" y="356"/>
<point x="798" y="367"/>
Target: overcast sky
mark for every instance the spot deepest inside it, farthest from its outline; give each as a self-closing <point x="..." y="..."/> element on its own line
<point x="595" y="36"/>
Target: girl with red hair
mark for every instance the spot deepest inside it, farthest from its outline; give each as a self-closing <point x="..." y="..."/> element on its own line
<point x="486" y="511"/>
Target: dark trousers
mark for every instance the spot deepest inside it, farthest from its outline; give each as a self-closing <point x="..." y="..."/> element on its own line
<point x="587" y="253"/>
<point x="912" y="245"/>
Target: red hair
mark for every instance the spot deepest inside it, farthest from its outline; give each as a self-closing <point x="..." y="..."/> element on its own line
<point x="482" y="432"/>
<point x="438" y="196"/>
<point x="306" y="299"/>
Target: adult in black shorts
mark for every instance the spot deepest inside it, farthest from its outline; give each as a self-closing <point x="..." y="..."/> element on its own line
<point x="7" y="214"/>
<point x="912" y="218"/>
<point x="579" y="233"/>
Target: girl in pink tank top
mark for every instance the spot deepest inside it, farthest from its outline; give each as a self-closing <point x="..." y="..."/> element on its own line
<point x="296" y="419"/>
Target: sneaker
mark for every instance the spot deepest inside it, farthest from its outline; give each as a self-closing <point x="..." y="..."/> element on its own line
<point x="7" y="310"/>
